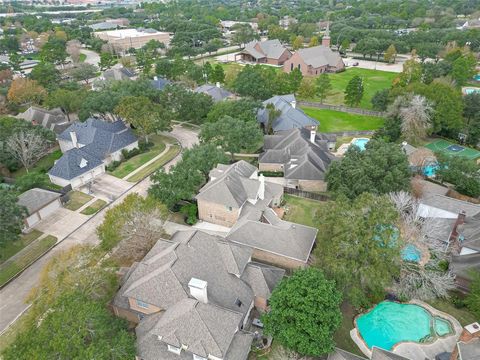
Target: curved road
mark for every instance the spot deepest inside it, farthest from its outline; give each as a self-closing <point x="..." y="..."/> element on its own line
<point x="91" y="56"/>
<point x="12" y="296"/>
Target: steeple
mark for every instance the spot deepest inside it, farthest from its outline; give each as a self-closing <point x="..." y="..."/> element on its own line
<point x="326" y="36"/>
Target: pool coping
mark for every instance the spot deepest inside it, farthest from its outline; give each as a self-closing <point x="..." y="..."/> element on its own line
<point x="456" y="328"/>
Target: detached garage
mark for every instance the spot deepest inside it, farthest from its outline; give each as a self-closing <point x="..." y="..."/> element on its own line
<point x="40" y="204"/>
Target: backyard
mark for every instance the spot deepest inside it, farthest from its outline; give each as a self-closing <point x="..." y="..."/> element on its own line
<point x="300" y="210"/>
<point x="373" y="81"/>
<point x="333" y="121"/>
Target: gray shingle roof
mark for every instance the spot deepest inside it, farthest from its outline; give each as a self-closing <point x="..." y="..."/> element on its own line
<point x="294" y="241"/>
<point x="160" y="83"/>
<point x="118" y="74"/>
<point x="230" y="185"/>
<point x="217" y="93"/>
<point x="469" y="350"/>
<point x="35" y="199"/>
<point x="53" y="119"/>
<point x="301" y="159"/>
<point x="340" y="354"/>
<point x="262" y="278"/>
<point x="271" y="49"/>
<point x="381" y="354"/>
<point x="69" y="165"/>
<point x="461" y="265"/>
<point x="470" y="232"/>
<point x="103" y="26"/>
<point x="318" y="56"/>
<point x="451" y="205"/>
<point x="162" y="277"/>
<point x="289" y="118"/>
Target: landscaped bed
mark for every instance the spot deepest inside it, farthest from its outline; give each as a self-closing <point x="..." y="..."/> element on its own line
<point x="93" y="208"/>
<point x="77" y="200"/>
<point x="147" y="170"/>
<point x="335" y="121"/>
<point x="14" y="247"/>
<point x="10" y="268"/>
<point x="127" y="166"/>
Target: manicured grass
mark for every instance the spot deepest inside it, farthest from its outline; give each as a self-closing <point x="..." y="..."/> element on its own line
<point x="92" y="209"/>
<point x="373" y="81"/>
<point x="42" y="165"/>
<point x="11" y="268"/>
<point x="147" y="170"/>
<point x="332" y="121"/>
<point x="301" y="211"/>
<point x="135" y="162"/>
<point x="77" y="200"/>
<point x="463" y="315"/>
<point x="14" y="247"/>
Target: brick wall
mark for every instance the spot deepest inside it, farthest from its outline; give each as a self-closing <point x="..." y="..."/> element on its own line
<point x="217" y="213"/>
<point x="276" y="260"/>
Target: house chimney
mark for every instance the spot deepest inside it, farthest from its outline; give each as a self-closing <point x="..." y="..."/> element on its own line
<point x="73" y="136"/>
<point x="155" y="78"/>
<point x="218" y="84"/>
<point x="326" y="37"/>
<point x="294" y="104"/>
<point x="313" y="134"/>
<point x="198" y="289"/>
<point x="460" y="221"/>
<point x="261" y="190"/>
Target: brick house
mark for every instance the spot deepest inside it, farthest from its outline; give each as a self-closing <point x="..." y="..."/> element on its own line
<point x="265" y="52"/>
<point x="315" y="61"/>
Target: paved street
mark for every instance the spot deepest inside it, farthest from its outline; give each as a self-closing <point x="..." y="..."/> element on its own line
<point x="91" y="56"/>
<point x="12" y="296"/>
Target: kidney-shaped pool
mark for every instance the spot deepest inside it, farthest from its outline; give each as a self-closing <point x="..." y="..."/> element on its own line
<point x="390" y="323"/>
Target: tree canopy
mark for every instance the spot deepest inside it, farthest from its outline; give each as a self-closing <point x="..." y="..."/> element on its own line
<point x="11" y="217"/>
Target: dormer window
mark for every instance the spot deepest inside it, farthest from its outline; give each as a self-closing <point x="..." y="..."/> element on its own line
<point x="238" y="302"/>
<point x="174" y="349"/>
<point x="83" y="163"/>
<point x="141" y="304"/>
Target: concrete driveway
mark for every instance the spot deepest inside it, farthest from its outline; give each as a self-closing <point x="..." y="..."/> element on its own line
<point x="12" y="296"/>
<point x="107" y="187"/>
<point x="61" y="223"/>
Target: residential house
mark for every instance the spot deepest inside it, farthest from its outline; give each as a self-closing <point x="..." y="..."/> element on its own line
<point x="118" y="74"/>
<point x="159" y="83"/>
<point x="289" y="116"/>
<point x="54" y="119"/>
<point x="468" y="345"/>
<point x="302" y="155"/>
<point x="461" y="266"/>
<point x="287" y="21"/>
<point x="230" y="189"/>
<point x="40" y="204"/>
<point x="87" y="148"/>
<point x="216" y="92"/>
<point x="265" y="52"/>
<point x="315" y="61"/>
<point x="192" y="296"/>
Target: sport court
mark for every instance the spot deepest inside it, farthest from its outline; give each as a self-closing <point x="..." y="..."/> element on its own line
<point x="452" y="149"/>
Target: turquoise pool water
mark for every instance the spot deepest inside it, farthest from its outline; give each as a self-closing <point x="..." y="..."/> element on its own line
<point x="430" y="170"/>
<point x="360" y="143"/>
<point x="469" y="91"/>
<point x="477" y="77"/>
<point x="411" y="253"/>
<point x="390" y="323"/>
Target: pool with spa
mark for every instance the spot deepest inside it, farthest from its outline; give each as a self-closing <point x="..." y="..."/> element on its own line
<point x="390" y="323"/>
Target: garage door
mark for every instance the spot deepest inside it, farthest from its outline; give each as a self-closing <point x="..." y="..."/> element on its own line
<point x="33" y="219"/>
<point x="49" y="209"/>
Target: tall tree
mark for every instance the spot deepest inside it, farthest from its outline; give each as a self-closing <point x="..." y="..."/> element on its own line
<point x="390" y="54"/>
<point x="304" y="313"/>
<point x="69" y="101"/>
<point x="84" y="72"/>
<point x="107" y="60"/>
<point x="416" y="119"/>
<point x="54" y="51"/>
<point x="27" y="146"/>
<point x="143" y="114"/>
<point x="354" y="91"/>
<point x="47" y="75"/>
<point x="26" y="91"/>
<point x="297" y="42"/>
<point x="203" y="158"/>
<point x="243" y="34"/>
<point x="323" y="86"/>
<point x="232" y="134"/>
<point x="358" y="246"/>
<point x="463" y="69"/>
<point x="11" y="217"/>
<point x="380" y="169"/>
<point x="307" y="89"/>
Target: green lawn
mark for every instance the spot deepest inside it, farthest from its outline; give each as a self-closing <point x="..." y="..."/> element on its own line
<point x="42" y="165"/>
<point x="82" y="58"/>
<point x="300" y="210"/>
<point x="332" y="121"/>
<point x="135" y="162"/>
<point x="11" y="268"/>
<point x="464" y="316"/>
<point x="14" y="247"/>
<point x="147" y="170"/>
<point x="373" y="80"/>
<point x="77" y="200"/>
<point x="92" y="209"/>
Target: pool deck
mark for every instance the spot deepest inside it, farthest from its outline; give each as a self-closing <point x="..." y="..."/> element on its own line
<point x="418" y="351"/>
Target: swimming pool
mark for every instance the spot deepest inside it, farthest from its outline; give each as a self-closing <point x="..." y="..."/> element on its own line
<point x="430" y="170"/>
<point x="469" y="91"/>
<point x="411" y="253"/>
<point x="360" y="142"/>
<point x="390" y="323"/>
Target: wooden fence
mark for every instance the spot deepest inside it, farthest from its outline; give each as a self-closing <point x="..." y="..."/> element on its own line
<point x="305" y="194"/>
<point x="342" y="108"/>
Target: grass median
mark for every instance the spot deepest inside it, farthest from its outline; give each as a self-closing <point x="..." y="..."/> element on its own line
<point x="77" y="200"/>
<point x="93" y="208"/>
<point x="14" y="247"/>
<point x="147" y="170"/>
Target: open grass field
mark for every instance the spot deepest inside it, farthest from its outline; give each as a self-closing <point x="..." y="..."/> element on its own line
<point x="333" y="121"/>
<point x="450" y="148"/>
<point x="14" y="247"/>
<point x="93" y="208"/>
<point x="77" y="200"/>
<point x="373" y="81"/>
<point x="29" y="254"/>
<point x="147" y="170"/>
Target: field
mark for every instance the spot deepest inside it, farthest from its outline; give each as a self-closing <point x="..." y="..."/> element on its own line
<point x="445" y="147"/>
<point x="373" y="81"/>
<point x="333" y="121"/>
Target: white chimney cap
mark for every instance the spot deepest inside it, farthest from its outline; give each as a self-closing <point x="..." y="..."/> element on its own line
<point x="473" y="328"/>
<point x="197" y="283"/>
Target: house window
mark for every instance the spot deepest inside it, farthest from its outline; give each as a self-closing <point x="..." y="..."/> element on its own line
<point x="299" y="67"/>
<point x="142" y="304"/>
<point x="229" y="208"/>
<point x="174" y="349"/>
<point x="291" y="66"/>
<point x="196" y="357"/>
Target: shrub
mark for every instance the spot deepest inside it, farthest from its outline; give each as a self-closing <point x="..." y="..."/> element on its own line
<point x="190" y="212"/>
<point x="113" y="165"/>
<point x="271" y="173"/>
